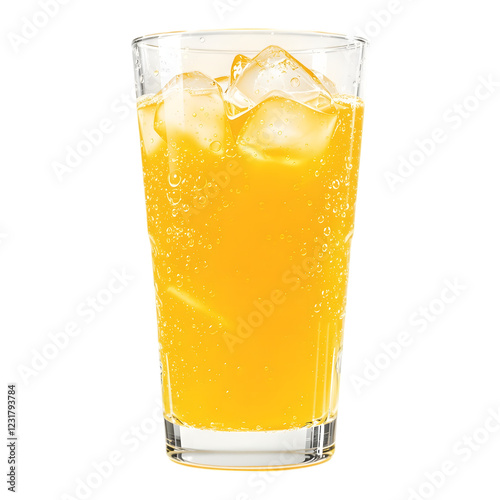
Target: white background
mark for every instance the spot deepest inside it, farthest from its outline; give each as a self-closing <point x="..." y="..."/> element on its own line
<point x="61" y="240"/>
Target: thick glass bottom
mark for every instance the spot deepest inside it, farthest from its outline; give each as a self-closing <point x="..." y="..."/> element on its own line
<point x="273" y="450"/>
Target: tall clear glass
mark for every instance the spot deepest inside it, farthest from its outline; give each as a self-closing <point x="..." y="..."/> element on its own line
<point x="250" y="146"/>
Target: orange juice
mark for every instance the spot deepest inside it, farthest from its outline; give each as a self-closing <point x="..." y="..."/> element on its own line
<point x="250" y="210"/>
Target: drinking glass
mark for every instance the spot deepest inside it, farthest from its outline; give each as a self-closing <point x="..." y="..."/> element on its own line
<point x="250" y="145"/>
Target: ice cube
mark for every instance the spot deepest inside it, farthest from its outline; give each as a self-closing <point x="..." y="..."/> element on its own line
<point x="223" y="81"/>
<point x="274" y="69"/>
<point x="151" y="142"/>
<point x="320" y="103"/>
<point x="328" y="84"/>
<point x="191" y="115"/>
<point x="282" y="130"/>
<point x="240" y="62"/>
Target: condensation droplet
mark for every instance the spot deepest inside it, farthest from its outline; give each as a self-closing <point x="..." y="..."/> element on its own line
<point x="174" y="179"/>
<point x="200" y="182"/>
<point x="215" y="146"/>
<point x="295" y="82"/>
<point x="174" y="197"/>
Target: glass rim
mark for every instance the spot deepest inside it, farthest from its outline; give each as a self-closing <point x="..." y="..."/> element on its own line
<point x="350" y="42"/>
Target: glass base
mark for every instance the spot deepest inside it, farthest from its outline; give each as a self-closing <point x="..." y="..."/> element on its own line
<point x="273" y="450"/>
